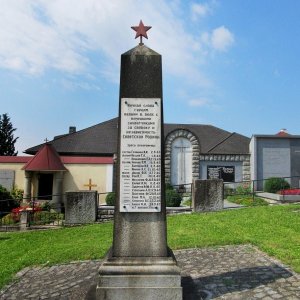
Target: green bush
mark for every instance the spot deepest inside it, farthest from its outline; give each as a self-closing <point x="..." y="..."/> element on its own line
<point x="168" y="186"/>
<point x="274" y="184"/>
<point x="8" y="219"/>
<point x="244" y="189"/>
<point x="110" y="198"/>
<point x="46" y="206"/>
<point x="9" y="204"/>
<point x="17" y="194"/>
<point x="173" y="199"/>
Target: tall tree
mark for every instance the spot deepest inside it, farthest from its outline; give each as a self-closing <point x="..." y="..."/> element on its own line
<point x="7" y="139"/>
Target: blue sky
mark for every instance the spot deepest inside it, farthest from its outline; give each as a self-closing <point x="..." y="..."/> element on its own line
<point x="232" y="64"/>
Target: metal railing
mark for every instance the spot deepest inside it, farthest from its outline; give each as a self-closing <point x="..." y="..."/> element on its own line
<point x="39" y="213"/>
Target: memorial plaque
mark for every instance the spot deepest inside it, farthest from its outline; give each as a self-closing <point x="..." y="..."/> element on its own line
<point x="221" y="172"/>
<point x="140" y="155"/>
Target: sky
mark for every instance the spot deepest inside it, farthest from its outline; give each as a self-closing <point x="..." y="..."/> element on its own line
<point x="232" y="64"/>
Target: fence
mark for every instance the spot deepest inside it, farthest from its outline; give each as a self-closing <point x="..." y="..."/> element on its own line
<point x="258" y="188"/>
<point x="33" y="213"/>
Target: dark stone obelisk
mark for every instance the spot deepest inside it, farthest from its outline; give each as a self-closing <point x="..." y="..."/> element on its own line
<point x="140" y="265"/>
<point x="140" y="234"/>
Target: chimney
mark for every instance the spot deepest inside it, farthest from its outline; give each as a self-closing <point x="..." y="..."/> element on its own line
<point x="72" y="129"/>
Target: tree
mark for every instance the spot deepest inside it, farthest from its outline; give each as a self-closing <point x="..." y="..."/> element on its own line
<point x="7" y="139"/>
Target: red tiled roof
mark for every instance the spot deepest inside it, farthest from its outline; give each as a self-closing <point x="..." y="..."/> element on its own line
<point x="46" y="159"/>
<point x="282" y="133"/>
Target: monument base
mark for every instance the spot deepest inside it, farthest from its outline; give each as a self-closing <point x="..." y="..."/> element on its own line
<point x="136" y="278"/>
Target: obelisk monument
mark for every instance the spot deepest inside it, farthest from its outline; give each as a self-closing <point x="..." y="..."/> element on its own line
<point x="140" y="265"/>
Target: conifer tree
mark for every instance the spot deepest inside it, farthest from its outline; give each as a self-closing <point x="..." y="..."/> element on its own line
<point x="7" y="139"/>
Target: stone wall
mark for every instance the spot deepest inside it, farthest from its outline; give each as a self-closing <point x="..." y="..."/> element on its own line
<point x="243" y="158"/>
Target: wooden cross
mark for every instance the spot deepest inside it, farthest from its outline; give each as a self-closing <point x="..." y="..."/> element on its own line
<point x="90" y="185"/>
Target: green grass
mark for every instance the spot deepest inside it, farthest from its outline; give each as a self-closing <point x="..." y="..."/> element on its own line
<point x="246" y="200"/>
<point x="274" y="229"/>
<point x="22" y="249"/>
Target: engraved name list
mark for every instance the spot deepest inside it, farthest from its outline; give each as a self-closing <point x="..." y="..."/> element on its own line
<point x="140" y="161"/>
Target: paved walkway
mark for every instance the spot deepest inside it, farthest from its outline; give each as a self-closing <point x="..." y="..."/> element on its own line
<point x="230" y="272"/>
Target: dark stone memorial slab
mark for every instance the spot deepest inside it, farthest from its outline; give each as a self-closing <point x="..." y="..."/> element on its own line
<point x="208" y="195"/>
<point x="140" y="265"/>
<point x="81" y="207"/>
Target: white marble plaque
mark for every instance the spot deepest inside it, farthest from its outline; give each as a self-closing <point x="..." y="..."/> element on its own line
<point x="140" y="155"/>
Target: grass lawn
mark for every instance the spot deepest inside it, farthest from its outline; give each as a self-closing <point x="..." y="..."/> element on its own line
<point x="274" y="229"/>
<point x="247" y="200"/>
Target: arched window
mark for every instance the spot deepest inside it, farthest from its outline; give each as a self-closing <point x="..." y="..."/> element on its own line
<point x="181" y="161"/>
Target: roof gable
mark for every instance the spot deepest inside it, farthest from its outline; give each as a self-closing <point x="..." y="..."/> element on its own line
<point x="101" y="140"/>
<point x="46" y="159"/>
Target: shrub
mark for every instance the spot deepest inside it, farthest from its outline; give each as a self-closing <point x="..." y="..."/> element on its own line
<point x="110" y="198"/>
<point x="168" y="186"/>
<point x="9" y="204"/>
<point x="173" y="199"/>
<point x="46" y="206"/>
<point x="8" y="219"/>
<point x="244" y="189"/>
<point x="274" y="184"/>
<point x="17" y="194"/>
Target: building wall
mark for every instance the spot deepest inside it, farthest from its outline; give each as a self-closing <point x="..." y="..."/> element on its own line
<point x="74" y="179"/>
<point x="272" y="159"/>
<point x="275" y="157"/>
<point x="18" y="173"/>
<point x="238" y="168"/>
<point x="240" y="162"/>
<point x="79" y="174"/>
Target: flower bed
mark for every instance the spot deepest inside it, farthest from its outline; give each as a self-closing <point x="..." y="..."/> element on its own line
<point x="289" y="192"/>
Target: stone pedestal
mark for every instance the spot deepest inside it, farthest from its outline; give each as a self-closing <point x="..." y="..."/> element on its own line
<point x="208" y="195"/>
<point x="81" y="207"/>
<point x="136" y="278"/>
<point x="24" y="220"/>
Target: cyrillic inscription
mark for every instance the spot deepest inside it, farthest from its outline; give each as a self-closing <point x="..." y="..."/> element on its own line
<point x="140" y="161"/>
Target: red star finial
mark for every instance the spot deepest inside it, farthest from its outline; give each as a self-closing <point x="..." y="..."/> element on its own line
<point x="141" y="31"/>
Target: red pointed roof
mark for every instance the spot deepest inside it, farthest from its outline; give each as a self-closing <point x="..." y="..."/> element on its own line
<point x="46" y="159"/>
<point x="283" y="133"/>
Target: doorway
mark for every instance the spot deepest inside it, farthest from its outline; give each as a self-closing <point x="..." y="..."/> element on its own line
<point x="45" y="187"/>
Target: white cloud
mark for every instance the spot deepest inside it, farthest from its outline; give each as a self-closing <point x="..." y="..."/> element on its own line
<point x="38" y="35"/>
<point x="221" y="39"/>
<point x="199" y="10"/>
